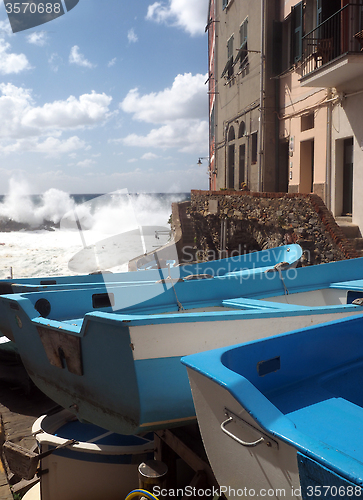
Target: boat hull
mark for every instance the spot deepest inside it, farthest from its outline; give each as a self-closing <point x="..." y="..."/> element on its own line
<point x="129" y="378"/>
<point x="287" y="410"/>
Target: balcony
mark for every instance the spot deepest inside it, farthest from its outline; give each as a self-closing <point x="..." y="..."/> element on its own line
<point x="332" y="53"/>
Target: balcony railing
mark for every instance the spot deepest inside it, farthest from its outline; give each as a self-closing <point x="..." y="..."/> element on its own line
<point x="341" y="34"/>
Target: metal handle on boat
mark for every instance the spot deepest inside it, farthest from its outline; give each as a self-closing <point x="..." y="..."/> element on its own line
<point x="243" y="443"/>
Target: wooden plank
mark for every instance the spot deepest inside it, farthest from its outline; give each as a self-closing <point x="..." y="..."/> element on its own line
<point x="5" y="491"/>
<point x="19" y="409"/>
<point x="198" y="484"/>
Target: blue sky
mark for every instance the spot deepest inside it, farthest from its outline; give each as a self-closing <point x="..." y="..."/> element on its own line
<point x="109" y="96"/>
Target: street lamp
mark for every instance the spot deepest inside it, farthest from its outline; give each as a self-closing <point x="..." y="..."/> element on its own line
<point x="199" y="162"/>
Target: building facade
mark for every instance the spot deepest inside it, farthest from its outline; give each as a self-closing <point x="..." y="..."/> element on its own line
<point x="287" y="92"/>
<point x="243" y="96"/>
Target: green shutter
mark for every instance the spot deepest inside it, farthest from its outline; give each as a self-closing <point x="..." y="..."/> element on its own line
<point x="297" y="27"/>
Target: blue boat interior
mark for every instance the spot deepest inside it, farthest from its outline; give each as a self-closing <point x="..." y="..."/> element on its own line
<point x="201" y="300"/>
<point x="304" y="387"/>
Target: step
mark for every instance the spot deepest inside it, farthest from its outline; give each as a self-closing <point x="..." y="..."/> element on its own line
<point x="350" y="229"/>
<point x="358" y="243"/>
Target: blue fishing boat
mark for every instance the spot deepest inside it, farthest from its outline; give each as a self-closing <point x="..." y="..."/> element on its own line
<point x="283" y="414"/>
<point x="254" y="262"/>
<point x="113" y="356"/>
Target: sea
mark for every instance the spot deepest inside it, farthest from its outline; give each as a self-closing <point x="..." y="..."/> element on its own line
<point x="51" y="234"/>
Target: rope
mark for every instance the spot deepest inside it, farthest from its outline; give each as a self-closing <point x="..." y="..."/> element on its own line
<point x="281" y="266"/>
<point x="180" y="305"/>
<point x="198" y="277"/>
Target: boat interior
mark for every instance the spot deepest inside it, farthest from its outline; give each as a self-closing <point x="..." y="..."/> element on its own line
<point x="310" y="383"/>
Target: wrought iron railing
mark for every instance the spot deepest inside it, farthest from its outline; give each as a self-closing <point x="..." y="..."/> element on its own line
<point x="342" y="33"/>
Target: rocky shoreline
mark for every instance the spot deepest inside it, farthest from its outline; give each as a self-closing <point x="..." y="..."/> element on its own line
<point x="9" y="225"/>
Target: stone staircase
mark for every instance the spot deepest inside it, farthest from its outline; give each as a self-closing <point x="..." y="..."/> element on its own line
<point x="352" y="232"/>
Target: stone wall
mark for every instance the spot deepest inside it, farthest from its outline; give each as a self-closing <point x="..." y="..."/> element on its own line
<point x="228" y="222"/>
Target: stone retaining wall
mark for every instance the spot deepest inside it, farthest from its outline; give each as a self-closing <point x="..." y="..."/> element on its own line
<point x="255" y="221"/>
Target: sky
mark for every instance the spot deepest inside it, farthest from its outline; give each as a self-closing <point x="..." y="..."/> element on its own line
<point x="111" y="95"/>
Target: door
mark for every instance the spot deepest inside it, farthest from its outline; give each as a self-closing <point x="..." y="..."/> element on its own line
<point x="348" y="177"/>
<point x="242" y="162"/>
<point x="230" y="179"/>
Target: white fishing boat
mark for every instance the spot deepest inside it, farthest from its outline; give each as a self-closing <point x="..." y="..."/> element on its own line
<point x="281" y="416"/>
<point x="246" y="264"/>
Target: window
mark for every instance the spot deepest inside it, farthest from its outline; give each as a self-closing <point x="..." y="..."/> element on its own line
<point x="297" y="28"/>
<point x="212" y="125"/>
<point x="231" y="133"/>
<point x="228" y="69"/>
<point x="242" y="129"/>
<point x="307" y="122"/>
<point x="254" y="148"/>
<point x="224" y="4"/>
<point x="242" y="55"/>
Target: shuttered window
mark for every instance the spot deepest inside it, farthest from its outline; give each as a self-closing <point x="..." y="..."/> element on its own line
<point x="297" y="31"/>
<point x="242" y="55"/>
<point x="228" y="69"/>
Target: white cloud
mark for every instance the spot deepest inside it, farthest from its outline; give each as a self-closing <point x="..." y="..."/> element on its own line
<point x="55" y="60"/>
<point x="188" y="136"/>
<point x="86" y="163"/>
<point x="20" y="118"/>
<point x="6" y="28"/>
<point x="150" y="156"/>
<point x="182" y="112"/>
<point x="9" y="62"/>
<point x="27" y="127"/>
<point x="37" y="38"/>
<point x="112" y="62"/>
<point x="51" y="146"/>
<point x="75" y="57"/>
<point x="189" y="15"/>
<point x="87" y="110"/>
<point x="187" y="98"/>
<point x="131" y="36"/>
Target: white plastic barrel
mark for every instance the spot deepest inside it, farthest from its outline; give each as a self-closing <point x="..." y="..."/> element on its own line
<point x="101" y="465"/>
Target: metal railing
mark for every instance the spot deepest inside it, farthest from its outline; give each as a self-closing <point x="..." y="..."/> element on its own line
<point x="342" y="33"/>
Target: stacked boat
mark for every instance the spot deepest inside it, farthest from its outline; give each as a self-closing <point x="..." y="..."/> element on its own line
<point x="109" y="350"/>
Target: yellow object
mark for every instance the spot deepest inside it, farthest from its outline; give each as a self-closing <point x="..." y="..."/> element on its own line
<point x="141" y="493"/>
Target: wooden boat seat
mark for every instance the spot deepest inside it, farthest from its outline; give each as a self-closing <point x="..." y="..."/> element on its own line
<point x="327" y="407"/>
<point x="349" y="285"/>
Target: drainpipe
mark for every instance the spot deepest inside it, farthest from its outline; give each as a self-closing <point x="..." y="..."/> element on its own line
<point x="262" y="75"/>
<point x="328" y="154"/>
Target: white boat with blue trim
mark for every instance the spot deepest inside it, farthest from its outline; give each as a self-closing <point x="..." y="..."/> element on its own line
<point x="113" y="356"/>
<point x="283" y="415"/>
<point x="254" y="262"/>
